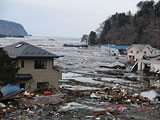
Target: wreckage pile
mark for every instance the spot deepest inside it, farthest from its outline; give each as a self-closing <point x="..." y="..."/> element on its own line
<point x="123" y="96"/>
<point x="16" y="100"/>
<point x="115" y="101"/>
<point x="115" y="95"/>
<point x="28" y="105"/>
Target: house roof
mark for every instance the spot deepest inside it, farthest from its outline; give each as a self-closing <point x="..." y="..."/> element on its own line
<point x="141" y="47"/>
<point x="116" y="46"/>
<point x="26" y="50"/>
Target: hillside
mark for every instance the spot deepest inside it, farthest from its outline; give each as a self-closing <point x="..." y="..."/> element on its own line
<point x="126" y="29"/>
<point x="12" y="29"/>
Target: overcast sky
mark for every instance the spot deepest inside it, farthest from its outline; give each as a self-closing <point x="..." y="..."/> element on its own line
<point x="62" y="18"/>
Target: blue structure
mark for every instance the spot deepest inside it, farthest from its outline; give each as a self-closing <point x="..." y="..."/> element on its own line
<point x="71" y="45"/>
<point x="119" y="47"/>
<point x="10" y="91"/>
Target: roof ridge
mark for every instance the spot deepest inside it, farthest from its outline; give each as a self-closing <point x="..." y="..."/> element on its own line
<point x="27" y="50"/>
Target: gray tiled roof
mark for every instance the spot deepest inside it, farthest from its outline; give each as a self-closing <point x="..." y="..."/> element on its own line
<point x="26" y="50"/>
<point x="140" y="46"/>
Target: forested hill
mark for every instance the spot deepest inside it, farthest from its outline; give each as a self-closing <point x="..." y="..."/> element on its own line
<point x="126" y="29"/>
<point x="8" y="28"/>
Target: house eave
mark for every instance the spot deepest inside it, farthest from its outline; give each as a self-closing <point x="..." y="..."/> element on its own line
<point x="24" y="76"/>
<point x="36" y="57"/>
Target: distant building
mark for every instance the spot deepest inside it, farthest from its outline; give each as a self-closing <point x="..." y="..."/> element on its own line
<point x="114" y="49"/>
<point x="137" y="51"/>
<point x="36" y="65"/>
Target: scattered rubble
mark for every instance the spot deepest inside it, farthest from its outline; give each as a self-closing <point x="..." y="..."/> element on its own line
<point x="94" y="87"/>
<point x="14" y="99"/>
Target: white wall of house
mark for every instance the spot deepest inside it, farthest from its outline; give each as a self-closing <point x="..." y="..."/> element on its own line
<point x="50" y="75"/>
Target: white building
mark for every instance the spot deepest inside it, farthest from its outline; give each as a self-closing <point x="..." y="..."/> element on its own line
<point x="137" y="51"/>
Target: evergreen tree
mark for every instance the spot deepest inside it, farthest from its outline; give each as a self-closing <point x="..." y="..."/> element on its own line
<point x="92" y="38"/>
<point x="8" y="69"/>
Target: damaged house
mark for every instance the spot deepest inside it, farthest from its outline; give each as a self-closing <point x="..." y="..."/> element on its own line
<point x="148" y="64"/>
<point x="36" y="66"/>
<point x="137" y="51"/>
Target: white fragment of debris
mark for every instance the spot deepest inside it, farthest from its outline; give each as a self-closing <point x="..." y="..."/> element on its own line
<point x="26" y="93"/>
<point x="150" y="94"/>
<point x="70" y="87"/>
<point x="129" y="100"/>
<point x="37" y="95"/>
<point x="89" y="116"/>
<point x="74" y="105"/>
<point x="98" y="118"/>
<point x="63" y="80"/>
<point x="66" y="107"/>
<point x="2" y="105"/>
<point x="157" y="99"/>
<point x="135" y="95"/>
<point x="93" y="95"/>
<point x="85" y="59"/>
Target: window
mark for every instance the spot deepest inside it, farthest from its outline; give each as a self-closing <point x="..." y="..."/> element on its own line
<point x="151" y="52"/>
<point x="137" y="52"/>
<point x="22" y="63"/>
<point x="131" y="51"/>
<point x="145" y="52"/>
<point x="42" y="85"/>
<point x="40" y="64"/>
<point x="22" y="85"/>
